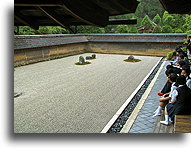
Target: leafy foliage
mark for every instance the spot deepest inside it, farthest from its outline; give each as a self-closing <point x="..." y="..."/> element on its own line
<point x="169" y="55"/>
<point x="157" y="19"/>
<point x="167" y="29"/>
<point x="147" y="23"/>
<point x="157" y="29"/>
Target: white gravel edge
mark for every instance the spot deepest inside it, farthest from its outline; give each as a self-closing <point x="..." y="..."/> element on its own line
<point x="117" y="114"/>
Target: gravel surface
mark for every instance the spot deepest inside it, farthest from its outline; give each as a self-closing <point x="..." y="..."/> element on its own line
<point x="120" y="122"/>
<point x="61" y="97"/>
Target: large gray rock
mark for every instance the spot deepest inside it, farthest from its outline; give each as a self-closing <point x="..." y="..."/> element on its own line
<point x="81" y="60"/>
<point x="130" y="58"/>
<point x="93" y="56"/>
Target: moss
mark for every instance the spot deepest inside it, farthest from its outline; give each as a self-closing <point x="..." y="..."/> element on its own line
<point x="184" y="49"/>
<point x="135" y="60"/>
<point x="169" y="55"/>
<point x="82" y="64"/>
<point x="92" y="59"/>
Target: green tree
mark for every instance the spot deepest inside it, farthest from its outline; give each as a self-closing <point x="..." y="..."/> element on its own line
<point x="122" y="29"/>
<point x="110" y="28"/>
<point x="44" y="30"/>
<point x="177" y="30"/>
<point x="157" y="29"/>
<point x="25" y="30"/>
<point x="147" y="23"/>
<point x="187" y="25"/>
<point x="133" y="29"/>
<point x="90" y="29"/>
<point x="165" y="15"/>
<point x="169" y="20"/>
<point x="58" y="30"/>
<point x="157" y="19"/>
<point x="179" y="21"/>
<point x="167" y="29"/>
<point x="150" y="8"/>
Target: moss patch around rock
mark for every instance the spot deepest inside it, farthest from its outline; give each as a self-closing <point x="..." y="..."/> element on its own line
<point x="133" y="61"/>
<point x="92" y="59"/>
<point x="82" y="64"/>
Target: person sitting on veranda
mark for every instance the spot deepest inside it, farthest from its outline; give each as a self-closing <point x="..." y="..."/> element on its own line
<point x="186" y="72"/>
<point x="181" y="57"/>
<point x="179" y="65"/>
<point x="174" y="57"/>
<point x="180" y="102"/>
<point x="167" y="86"/>
<point x="188" y="48"/>
<point x="172" y="69"/>
<point x="166" y="97"/>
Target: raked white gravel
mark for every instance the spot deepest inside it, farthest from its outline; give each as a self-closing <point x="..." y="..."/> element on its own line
<point x="61" y="97"/>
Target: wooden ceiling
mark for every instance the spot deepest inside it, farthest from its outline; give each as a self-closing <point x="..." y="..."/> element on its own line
<point x="177" y="6"/>
<point x="67" y="13"/>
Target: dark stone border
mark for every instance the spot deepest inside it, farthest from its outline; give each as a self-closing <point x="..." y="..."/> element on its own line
<point x="121" y="120"/>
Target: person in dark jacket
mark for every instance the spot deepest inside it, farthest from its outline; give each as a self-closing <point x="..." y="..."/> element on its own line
<point x="186" y="72"/>
<point x="167" y="86"/>
<point x="188" y="48"/>
<point x="180" y="104"/>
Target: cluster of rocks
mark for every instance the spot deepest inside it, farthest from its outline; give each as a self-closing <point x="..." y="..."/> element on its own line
<point x="91" y="57"/>
<point x="82" y="59"/>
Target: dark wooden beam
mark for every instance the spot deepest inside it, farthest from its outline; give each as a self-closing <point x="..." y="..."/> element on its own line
<point x="86" y="11"/>
<point x="55" y="17"/>
<point x="163" y="4"/>
<point x="124" y="6"/>
<point x="177" y="6"/>
<point x="131" y="5"/>
<point x="122" y="22"/>
<point x="73" y="22"/>
<point x="38" y="2"/>
<point x="26" y="21"/>
<point x="106" y="5"/>
<point x="68" y="13"/>
<point x="119" y="7"/>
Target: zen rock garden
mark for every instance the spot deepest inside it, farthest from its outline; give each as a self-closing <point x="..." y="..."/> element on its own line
<point x="91" y="57"/>
<point x="132" y="59"/>
<point x="82" y="60"/>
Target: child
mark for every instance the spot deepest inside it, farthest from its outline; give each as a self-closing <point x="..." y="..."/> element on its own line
<point x="167" y="86"/>
<point x="186" y="72"/>
<point x="179" y="64"/>
<point x="188" y="48"/>
<point x="166" y="97"/>
<point x="180" y="102"/>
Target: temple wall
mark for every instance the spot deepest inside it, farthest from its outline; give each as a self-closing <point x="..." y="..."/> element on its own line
<point x="35" y="48"/>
